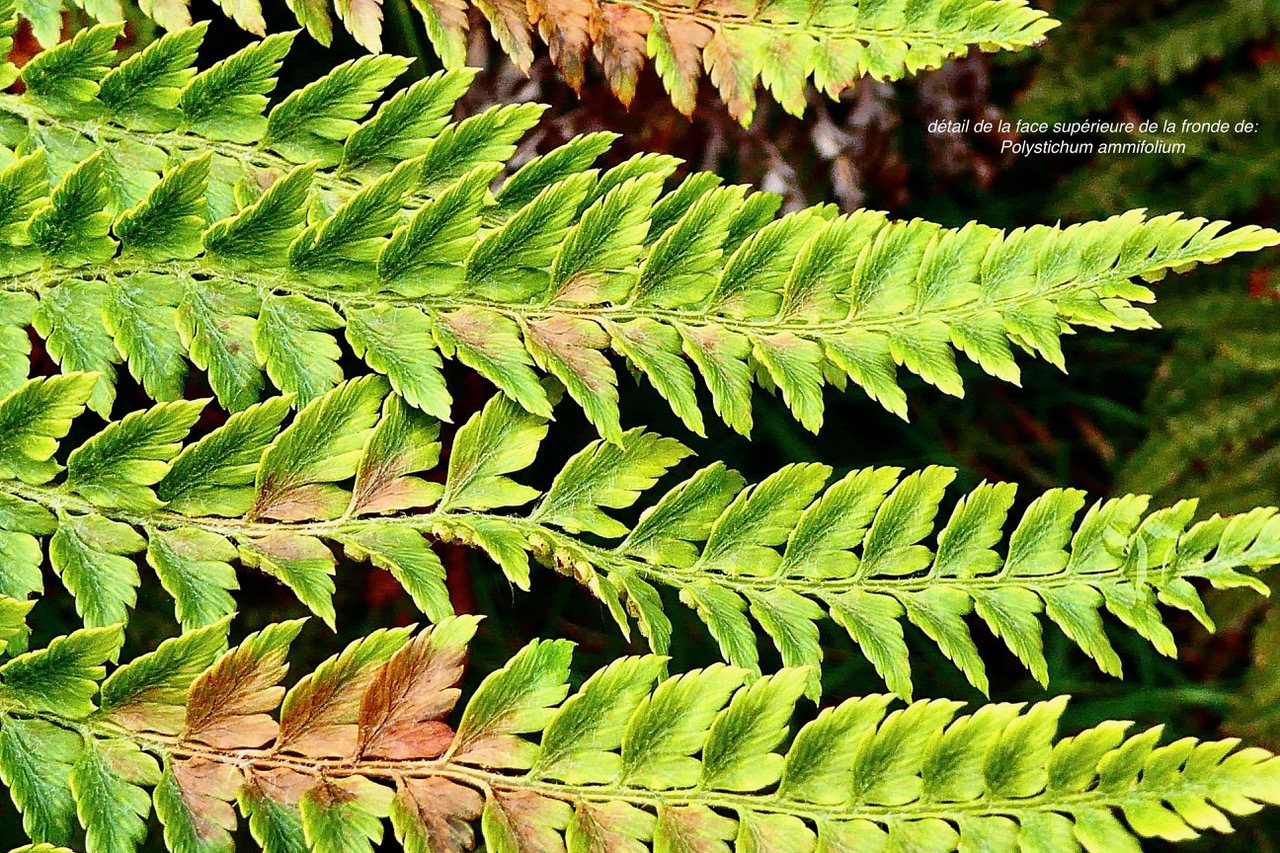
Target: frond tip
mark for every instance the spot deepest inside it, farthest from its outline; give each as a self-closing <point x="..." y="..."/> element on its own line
<point x="872" y="550"/>
<point x="182" y="227"/>
<point x="632" y="760"/>
<point x="744" y="44"/>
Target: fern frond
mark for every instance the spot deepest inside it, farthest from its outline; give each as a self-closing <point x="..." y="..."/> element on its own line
<point x="873" y="550"/>
<point x="249" y="248"/>
<point x="633" y="760"/>
<point x="8" y="26"/>
<point x="739" y="44"/>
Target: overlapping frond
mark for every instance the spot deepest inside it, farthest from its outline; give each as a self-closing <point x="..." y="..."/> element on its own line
<point x="156" y="217"/>
<point x="743" y="44"/>
<point x="633" y="760"/>
<point x="873" y="550"/>
<point x="740" y="44"/>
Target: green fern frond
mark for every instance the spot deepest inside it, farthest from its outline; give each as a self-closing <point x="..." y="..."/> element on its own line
<point x="250" y="249"/>
<point x="739" y="44"/>
<point x="8" y="26"/>
<point x="872" y="551"/>
<point x="743" y="44"/>
<point x="633" y="760"/>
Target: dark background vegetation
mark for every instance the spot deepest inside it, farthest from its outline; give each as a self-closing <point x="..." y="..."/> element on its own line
<point x="1192" y="410"/>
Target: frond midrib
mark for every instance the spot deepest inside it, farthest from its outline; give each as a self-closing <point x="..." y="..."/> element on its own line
<point x="548" y="543"/>
<point x="489" y="781"/>
<point x="886" y="322"/>
<point x="713" y="19"/>
<point x="105" y="131"/>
